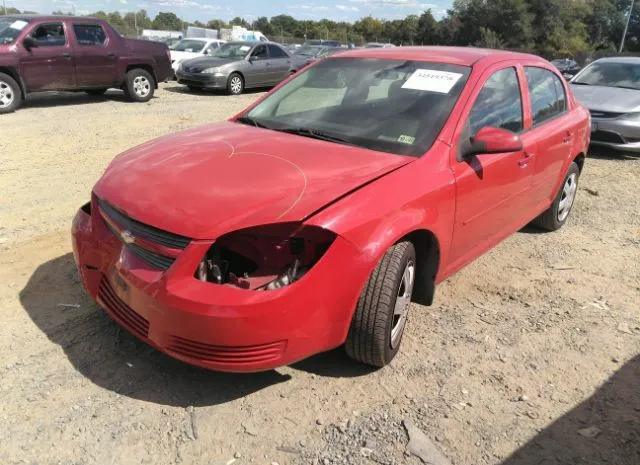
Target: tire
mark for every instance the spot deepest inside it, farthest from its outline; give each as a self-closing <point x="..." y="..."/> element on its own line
<point x="96" y="92"/>
<point x="380" y="317"/>
<point x="235" y="84"/>
<point x="558" y="213"/>
<point x="10" y="94"/>
<point x="139" y="85"/>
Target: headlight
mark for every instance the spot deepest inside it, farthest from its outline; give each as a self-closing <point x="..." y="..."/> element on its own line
<point x="266" y="257"/>
<point x="211" y="70"/>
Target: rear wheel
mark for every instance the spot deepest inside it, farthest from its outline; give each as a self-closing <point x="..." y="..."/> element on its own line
<point x="558" y="213"/>
<point x="381" y="313"/>
<point x="235" y="84"/>
<point x="10" y="94"/>
<point x="139" y="85"/>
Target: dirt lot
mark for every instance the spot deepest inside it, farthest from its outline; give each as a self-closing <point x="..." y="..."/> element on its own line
<point x="531" y="355"/>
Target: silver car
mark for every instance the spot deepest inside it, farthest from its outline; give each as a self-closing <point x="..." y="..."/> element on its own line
<point x="236" y="66"/>
<point x="610" y="89"/>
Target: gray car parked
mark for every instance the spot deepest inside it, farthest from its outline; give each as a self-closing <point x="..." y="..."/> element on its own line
<point x="610" y="89"/>
<point x="236" y="66"/>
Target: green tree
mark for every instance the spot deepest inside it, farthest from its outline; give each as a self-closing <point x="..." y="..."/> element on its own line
<point x="167" y="22"/>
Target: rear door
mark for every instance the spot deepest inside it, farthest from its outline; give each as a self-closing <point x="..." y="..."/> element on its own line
<point x="279" y="64"/>
<point x="552" y="131"/>
<point x="492" y="190"/>
<point x="49" y="65"/>
<point x="257" y="73"/>
<point x="96" y="55"/>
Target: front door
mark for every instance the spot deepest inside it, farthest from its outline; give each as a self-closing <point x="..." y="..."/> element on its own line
<point x="258" y="69"/>
<point x="491" y="189"/>
<point x="279" y="64"/>
<point x="49" y="65"/>
<point x="96" y="56"/>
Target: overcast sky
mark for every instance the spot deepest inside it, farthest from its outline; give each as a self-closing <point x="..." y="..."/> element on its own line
<point x="339" y="10"/>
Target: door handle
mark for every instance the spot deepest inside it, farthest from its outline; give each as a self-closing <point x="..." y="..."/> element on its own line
<point x="111" y="55"/>
<point x="526" y="160"/>
<point x="67" y="55"/>
<point x="567" y="138"/>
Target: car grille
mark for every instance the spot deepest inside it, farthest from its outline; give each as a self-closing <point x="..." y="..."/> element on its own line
<point x="151" y="234"/>
<point x="606" y="136"/>
<point x="604" y="114"/>
<point x="123" y="314"/>
<point x="154" y="259"/>
<point x="230" y="355"/>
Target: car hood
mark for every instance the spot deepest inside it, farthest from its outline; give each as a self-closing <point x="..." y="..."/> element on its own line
<point x="219" y="178"/>
<point x="608" y="99"/>
<point x="179" y="56"/>
<point x="203" y="62"/>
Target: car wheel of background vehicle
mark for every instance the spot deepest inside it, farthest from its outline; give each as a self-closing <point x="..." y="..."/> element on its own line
<point x="10" y="94"/>
<point x="235" y="84"/>
<point x="139" y="85"/>
<point x="558" y="213"/>
<point x="381" y="313"/>
<point x="96" y="92"/>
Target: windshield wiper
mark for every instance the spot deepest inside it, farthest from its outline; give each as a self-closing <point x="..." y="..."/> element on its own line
<point x="581" y="83"/>
<point x="251" y="121"/>
<point x="626" y="87"/>
<point x="315" y="134"/>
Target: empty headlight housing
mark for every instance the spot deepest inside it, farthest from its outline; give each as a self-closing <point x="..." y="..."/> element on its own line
<point x="265" y="257"/>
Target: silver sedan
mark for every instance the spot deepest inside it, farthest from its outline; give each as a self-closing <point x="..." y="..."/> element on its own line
<point x="236" y="66"/>
<point x="610" y="89"/>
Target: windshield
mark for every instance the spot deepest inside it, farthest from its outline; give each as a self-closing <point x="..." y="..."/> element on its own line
<point x="611" y="74"/>
<point x="393" y="106"/>
<point x="310" y="50"/>
<point x="187" y="45"/>
<point x="237" y="50"/>
<point x="10" y="28"/>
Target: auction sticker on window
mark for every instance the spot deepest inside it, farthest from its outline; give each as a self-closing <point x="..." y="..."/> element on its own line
<point x="432" y="81"/>
<point x="18" y="25"/>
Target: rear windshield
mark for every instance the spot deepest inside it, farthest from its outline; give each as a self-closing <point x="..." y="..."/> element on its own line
<point x="394" y="106"/>
<point x="10" y="28"/>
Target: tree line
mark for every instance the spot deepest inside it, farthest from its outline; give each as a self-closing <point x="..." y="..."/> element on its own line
<point x="546" y="27"/>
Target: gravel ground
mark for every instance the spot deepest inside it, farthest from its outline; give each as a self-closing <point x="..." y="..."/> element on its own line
<point x="531" y="354"/>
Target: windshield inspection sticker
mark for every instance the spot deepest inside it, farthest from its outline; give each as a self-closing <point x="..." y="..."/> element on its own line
<point x="432" y="81"/>
<point x="18" y="25"/>
<point x="406" y="139"/>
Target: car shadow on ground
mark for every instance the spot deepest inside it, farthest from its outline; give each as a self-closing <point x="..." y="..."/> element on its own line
<point x="604" y="429"/>
<point x="181" y="89"/>
<point x="115" y="360"/>
<point x="61" y="99"/>
<point x="603" y="153"/>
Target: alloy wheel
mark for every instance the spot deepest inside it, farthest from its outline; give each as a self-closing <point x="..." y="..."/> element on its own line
<point x="6" y="95"/>
<point x="141" y="86"/>
<point x="236" y="84"/>
<point x="568" y="196"/>
<point x="403" y="300"/>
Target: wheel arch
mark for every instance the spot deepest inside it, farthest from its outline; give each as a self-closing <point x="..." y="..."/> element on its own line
<point x="427" y="249"/>
<point x="16" y="77"/>
<point x="579" y="160"/>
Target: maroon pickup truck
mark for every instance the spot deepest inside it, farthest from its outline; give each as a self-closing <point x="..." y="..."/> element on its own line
<point x="60" y="53"/>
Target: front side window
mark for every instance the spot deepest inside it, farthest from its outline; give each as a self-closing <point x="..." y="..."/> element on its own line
<point x="277" y="52"/>
<point x="610" y="74"/>
<point x="49" y="35"/>
<point x="260" y="52"/>
<point x="89" y="34"/>
<point x="546" y="102"/>
<point x="394" y="106"/>
<point x="499" y="103"/>
<point x="10" y="29"/>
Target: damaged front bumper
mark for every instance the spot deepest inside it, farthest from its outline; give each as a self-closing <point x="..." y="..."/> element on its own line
<point x="216" y="326"/>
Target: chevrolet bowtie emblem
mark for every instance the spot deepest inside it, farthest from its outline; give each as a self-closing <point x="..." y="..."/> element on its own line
<point x="127" y="237"/>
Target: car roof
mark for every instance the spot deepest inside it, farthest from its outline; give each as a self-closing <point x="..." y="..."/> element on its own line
<point x="48" y="17"/>
<point x="253" y="43"/>
<point x="635" y="60"/>
<point x="466" y="56"/>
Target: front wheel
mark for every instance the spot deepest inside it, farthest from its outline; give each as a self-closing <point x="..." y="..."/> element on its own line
<point x="139" y="85"/>
<point x="10" y="94"/>
<point x="558" y="213"/>
<point x="235" y="84"/>
<point x="381" y="313"/>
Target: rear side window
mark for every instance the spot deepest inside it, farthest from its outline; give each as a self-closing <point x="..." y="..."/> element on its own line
<point x="276" y="52"/>
<point x="49" y="35"/>
<point x="548" y="97"/>
<point x="499" y="103"/>
<point x="89" y="34"/>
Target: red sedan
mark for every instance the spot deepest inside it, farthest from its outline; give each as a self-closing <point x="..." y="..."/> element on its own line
<point x="315" y="217"/>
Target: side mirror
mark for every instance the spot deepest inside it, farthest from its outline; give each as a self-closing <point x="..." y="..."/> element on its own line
<point x="253" y="58"/>
<point x="29" y="42"/>
<point x="490" y="140"/>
